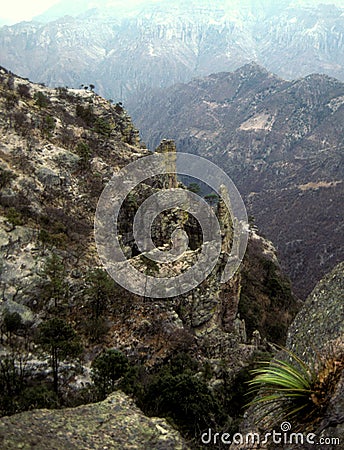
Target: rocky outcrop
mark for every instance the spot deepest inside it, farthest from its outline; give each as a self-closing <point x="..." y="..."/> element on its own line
<point x="115" y="423"/>
<point x="318" y="331"/>
<point x="59" y="148"/>
<point x="315" y="336"/>
<point x="51" y="180"/>
<point x="320" y="323"/>
<point x="168" y="146"/>
<point x="280" y="142"/>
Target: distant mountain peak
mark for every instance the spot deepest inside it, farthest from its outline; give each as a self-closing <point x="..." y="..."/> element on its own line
<point x="126" y="48"/>
<point x="282" y="144"/>
<point x="252" y="68"/>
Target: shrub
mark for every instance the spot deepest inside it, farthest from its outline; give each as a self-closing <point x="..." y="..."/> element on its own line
<point x="19" y="390"/>
<point x="95" y="185"/>
<point x="11" y="99"/>
<point x="12" y="323"/>
<point x="24" y="90"/>
<point x="48" y="126"/>
<point x="14" y="216"/>
<point x="50" y="239"/>
<point x="293" y="389"/>
<point x="41" y="99"/>
<point x="11" y="384"/>
<point x="59" y="339"/>
<point x="107" y="368"/>
<point x="22" y="125"/>
<point x="212" y="198"/>
<point x="96" y="329"/>
<point x="103" y="127"/>
<point x="38" y="396"/>
<point x="86" y="114"/>
<point x="194" y="187"/>
<point x="177" y="392"/>
<point x="6" y="176"/>
<point x="56" y="286"/>
<point x="63" y="93"/>
<point x="101" y="289"/>
<point x="85" y="153"/>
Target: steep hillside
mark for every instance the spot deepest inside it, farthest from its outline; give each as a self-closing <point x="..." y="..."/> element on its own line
<point x="282" y="144"/>
<point x="125" y="50"/>
<point x="69" y="334"/>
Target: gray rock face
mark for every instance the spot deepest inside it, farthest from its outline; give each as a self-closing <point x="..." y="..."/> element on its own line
<point x="319" y="327"/>
<point x="48" y="178"/>
<point x="50" y="186"/>
<point x="124" y="51"/>
<point x="321" y="320"/>
<point x="317" y="331"/>
<point x="115" y="423"/>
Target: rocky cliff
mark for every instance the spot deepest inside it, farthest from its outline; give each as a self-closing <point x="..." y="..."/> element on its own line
<point x="282" y="144"/>
<point x="59" y="148"/>
<point x="115" y="423"/>
<point x="317" y="337"/>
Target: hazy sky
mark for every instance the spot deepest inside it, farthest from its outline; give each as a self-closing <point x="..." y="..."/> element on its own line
<point x="17" y="10"/>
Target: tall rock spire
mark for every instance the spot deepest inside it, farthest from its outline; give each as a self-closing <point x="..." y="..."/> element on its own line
<point x="225" y="219"/>
<point x="168" y="148"/>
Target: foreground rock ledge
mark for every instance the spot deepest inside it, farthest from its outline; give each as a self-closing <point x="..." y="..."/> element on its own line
<point x="115" y="423"/>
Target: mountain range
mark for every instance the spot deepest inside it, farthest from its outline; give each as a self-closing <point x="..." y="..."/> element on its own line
<point x="124" y="49"/>
<point x="281" y="142"/>
<point x="58" y="150"/>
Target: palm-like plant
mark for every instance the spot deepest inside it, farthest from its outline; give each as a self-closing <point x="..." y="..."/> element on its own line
<point x="293" y="389"/>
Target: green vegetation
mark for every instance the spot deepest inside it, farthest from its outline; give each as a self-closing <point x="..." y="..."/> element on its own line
<point x="101" y="289"/>
<point x="194" y="187"/>
<point x="212" y="198"/>
<point x="64" y="94"/>
<point x="107" y="368"/>
<point x="48" y="126"/>
<point x="11" y="384"/>
<point x="51" y="239"/>
<point x="60" y="229"/>
<point x="294" y="390"/>
<point x="11" y="324"/>
<point x="59" y="339"/>
<point x="263" y="283"/>
<point x="86" y="114"/>
<point x="95" y="329"/>
<point x="84" y="151"/>
<point x="55" y="286"/>
<point x="41" y="99"/>
<point x="176" y="390"/>
<point x="151" y="266"/>
<point x="14" y="217"/>
<point x="103" y="127"/>
<point x="11" y="99"/>
<point x="6" y="176"/>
